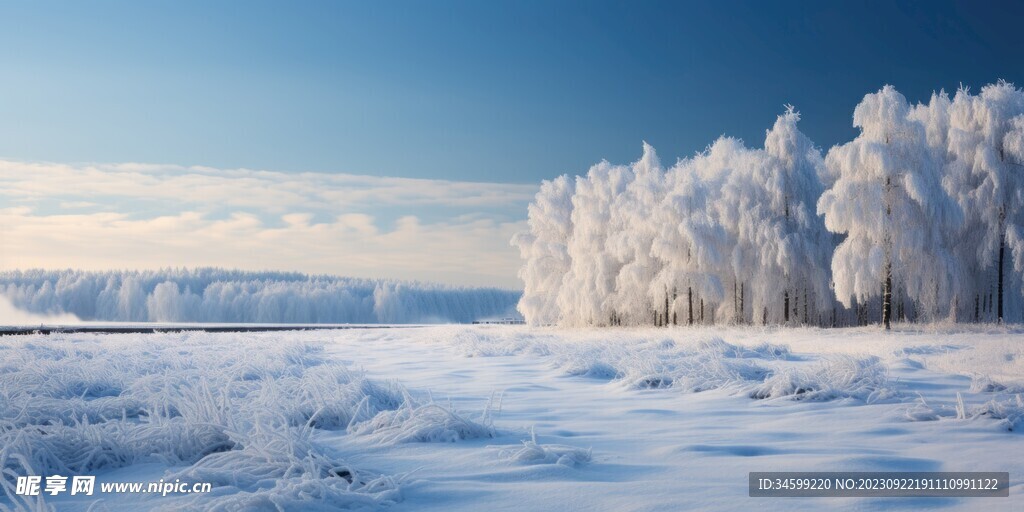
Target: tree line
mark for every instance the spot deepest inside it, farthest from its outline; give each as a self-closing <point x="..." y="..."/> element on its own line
<point x="918" y="218"/>
<point x="234" y="296"/>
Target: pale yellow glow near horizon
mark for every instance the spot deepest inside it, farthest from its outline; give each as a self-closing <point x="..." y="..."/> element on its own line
<point x="133" y="216"/>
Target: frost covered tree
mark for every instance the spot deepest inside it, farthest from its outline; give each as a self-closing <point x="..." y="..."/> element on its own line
<point x="131" y="300"/>
<point x="631" y="234"/>
<point x="985" y="174"/>
<point x="167" y="304"/>
<point x="582" y="297"/>
<point x="218" y="295"/>
<point x="795" y="247"/>
<point x="648" y="246"/>
<point x="889" y="202"/>
<point x="739" y="207"/>
<point x="920" y="213"/>
<point x="779" y="246"/>
<point x="1013" y="146"/>
<point x="544" y="249"/>
<point x="689" y="243"/>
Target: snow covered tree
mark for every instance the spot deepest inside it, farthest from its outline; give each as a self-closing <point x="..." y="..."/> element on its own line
<point x="985" y="174"/>
<point x="689" y="243"/>
<point x="631" y="234"/>
<point x="582" y="297"/>
<point x="779" y="246"/>
<point x="544" y="249"/>
<point x="218" y="295"/>
<point x="637" y="245"/>
<point x="740" y="206"/>
<point x="167" y="304"/>
<point x="889" y="202"/>
<point x="795" y="255"/>
<point x="920" y="213"/>
<point x="1013" y="194"/>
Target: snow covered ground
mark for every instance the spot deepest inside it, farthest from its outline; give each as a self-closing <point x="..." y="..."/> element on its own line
<point x="509" y="417"/>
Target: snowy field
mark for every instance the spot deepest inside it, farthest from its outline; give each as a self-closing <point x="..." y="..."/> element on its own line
<point x="508" y="417"/>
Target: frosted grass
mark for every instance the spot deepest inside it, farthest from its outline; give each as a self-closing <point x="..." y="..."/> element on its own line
<point x="763" y="371"/>
<point x="240" y="411"/>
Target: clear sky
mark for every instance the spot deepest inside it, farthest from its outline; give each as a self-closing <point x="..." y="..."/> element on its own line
<point x="493" y="92"/>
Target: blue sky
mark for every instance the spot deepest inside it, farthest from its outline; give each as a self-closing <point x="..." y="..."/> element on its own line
<point x="493" y="92"/>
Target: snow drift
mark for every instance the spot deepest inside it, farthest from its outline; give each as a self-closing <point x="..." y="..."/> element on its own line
<point x="638" y="360"/>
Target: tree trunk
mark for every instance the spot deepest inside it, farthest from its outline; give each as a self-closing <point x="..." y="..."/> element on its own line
<point x="664" y="319"/>
<point x="806" y="318"/>
<point x="689" y="303"/>
<point x="1002" y="251"/>
<point x="785" y="306"/>
<point x="887" y="284"/>
<point x="674" y="306"/>
<point x="735" y="300"/>
<point x="887" y="296"/>
<point x="743" y="317"/>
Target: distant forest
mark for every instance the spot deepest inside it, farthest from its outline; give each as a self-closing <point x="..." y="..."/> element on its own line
<point x="218" y="295"/>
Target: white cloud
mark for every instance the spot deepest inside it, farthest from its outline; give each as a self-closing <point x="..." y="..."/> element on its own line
<point x="151" y="216"/>
<point x="245" y="187"/>
<point x="73" y="205"/>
